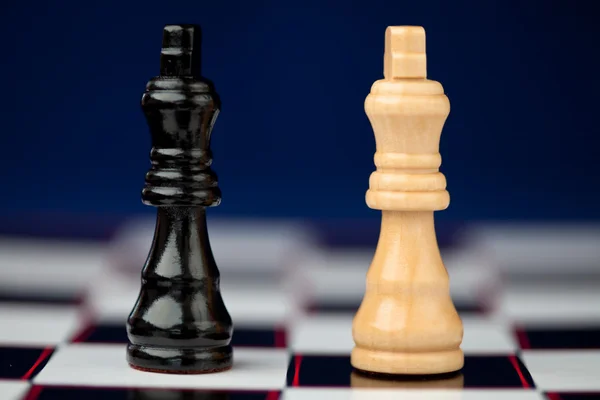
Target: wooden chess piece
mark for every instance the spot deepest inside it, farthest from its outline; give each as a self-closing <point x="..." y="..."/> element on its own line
<point x="407" y="323"/>
<point x="179" y="323"/>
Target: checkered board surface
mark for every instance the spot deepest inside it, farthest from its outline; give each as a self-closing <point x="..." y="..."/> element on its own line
<point x="529" y="299"/>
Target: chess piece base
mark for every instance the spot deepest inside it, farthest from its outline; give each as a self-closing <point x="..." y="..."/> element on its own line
<point x="397" y="363"/>
<point x="180" y="361"/>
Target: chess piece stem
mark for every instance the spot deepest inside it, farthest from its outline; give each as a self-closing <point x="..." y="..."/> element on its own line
<point x="179" y="323"/>
<point x="407" y="323"/>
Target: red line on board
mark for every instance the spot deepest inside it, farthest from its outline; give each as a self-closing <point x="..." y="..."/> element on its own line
<point x="83" y="334"/>
<point x="272" y="396"/>
<point x="297" y="362"/>
<point x="515" y="364"/>
<point x="33" y="393"/>
<point x="280" y="338"/>
<point x="553" y="396"/>
<point x="47" y="351"/>
<point x="523" y="339"/>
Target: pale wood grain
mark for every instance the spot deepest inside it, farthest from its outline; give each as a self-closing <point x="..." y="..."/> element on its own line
<point x="407" y="323"/>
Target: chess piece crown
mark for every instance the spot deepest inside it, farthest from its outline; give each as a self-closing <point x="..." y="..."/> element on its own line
<point x="181" y="108"/>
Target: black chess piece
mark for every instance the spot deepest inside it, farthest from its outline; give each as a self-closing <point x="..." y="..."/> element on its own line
<point x="179" y="323"/>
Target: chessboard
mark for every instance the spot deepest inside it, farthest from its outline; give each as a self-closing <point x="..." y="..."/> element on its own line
<point x="528" y="296"/>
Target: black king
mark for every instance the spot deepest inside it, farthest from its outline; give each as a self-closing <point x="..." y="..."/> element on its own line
<point x="179" y="323"/>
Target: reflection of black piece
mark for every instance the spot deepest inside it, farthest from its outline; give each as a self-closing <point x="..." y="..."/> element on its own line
<point x="179" y="323"/>
<point x="157" y="394"/>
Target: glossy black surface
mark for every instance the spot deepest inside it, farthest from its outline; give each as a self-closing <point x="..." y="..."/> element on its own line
<point x="245" y="336"/>
<point x="179" y="323"/>
<point x="478" y="372"/>
<point x="21" y="363"/>
<point x="585" y="337"/>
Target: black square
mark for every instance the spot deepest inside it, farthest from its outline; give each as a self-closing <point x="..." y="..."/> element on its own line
<point x="573" y="396"/>
<point x="319" y="371"/>
<point x="496" y="372"/>
<point x="99" y="393"/>
<point x="23" y="363"/>
<point x="103" y="333"/>
<point x="242" y="336"/>
<point x="587" y="337"/>
<point x="478" y="372"/>
<point x="259" y="337"/>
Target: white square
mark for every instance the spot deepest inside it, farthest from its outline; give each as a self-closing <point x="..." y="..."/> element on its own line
<point x="256" y="306"/>
<point x="13" y="390"/>
<point x="540" y="248"/>
<point x="329" y="334"/>
<point x="332" y="334"/>
<point x="105" y="365"/>
<point x="54" y="267"/>
<point x="564" y="370"/>
<point x="550" y="304"/>
<point x="483" y="335"/>
<point x="337" y="276"/>
<point x="37" y="325"/>
<point x="408" y="394"/>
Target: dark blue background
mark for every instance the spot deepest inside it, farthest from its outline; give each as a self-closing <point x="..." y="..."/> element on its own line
<point x="292" y="138"/>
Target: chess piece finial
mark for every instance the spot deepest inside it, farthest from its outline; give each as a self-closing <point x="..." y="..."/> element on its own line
<point x="407" y="323"/>
<point x="180" y="53"/>
<point x="179" y="323"/>
<point x="405" y="53"/>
